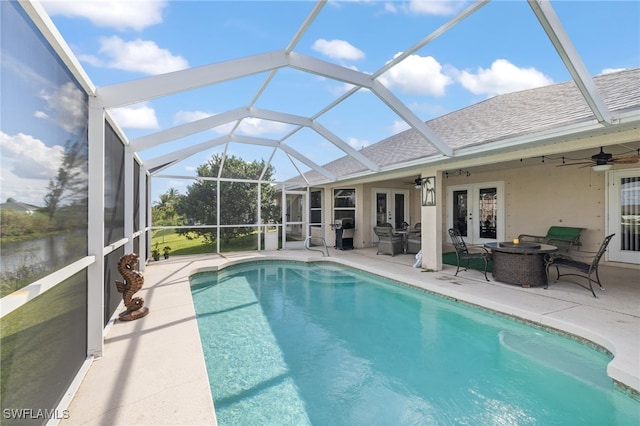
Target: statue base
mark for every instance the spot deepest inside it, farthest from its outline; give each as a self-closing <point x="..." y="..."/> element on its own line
<point x="134" y="315"/>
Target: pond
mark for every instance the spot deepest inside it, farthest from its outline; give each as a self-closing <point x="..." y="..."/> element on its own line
<point x="22" y="262"/>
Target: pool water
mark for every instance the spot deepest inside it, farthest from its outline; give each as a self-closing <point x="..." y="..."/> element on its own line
<point x="290" y="343"/>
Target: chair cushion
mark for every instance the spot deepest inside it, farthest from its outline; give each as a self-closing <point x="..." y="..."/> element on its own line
<point x="564" y="233"/>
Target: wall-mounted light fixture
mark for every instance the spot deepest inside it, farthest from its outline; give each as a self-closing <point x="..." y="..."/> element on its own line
<point x="458" y="172"/>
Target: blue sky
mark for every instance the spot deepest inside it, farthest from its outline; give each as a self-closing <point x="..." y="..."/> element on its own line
<point x="498" y="49"/>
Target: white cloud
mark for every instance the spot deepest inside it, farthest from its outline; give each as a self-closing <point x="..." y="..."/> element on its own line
<point x="418" y="75"/>
<point x="256" y="126"/>
<point x="338" y="49"/>
<point x="119" y="14"/>
<point x="358" y="143"/>
<point x="248" y="126"/>
<point x="27" y="165"/>
<point x="92" y="60"/>
<point x="435" y="7"/>
<point x="225" y="129"/>
<point x="182" y="117"/>
<point x="67" y="105"/>
<point x="611" y="70"/>
<point x="502" y="77"/>
<point x="399" y="126"/>
<point x="390" y="7"/>
<point x="136" y="117"/>
<point x="138" y="56"/>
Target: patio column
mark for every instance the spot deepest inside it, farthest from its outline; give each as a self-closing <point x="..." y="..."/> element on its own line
<point x="95" y="271"/>
<point x="431" y="218"/>
<point x="142" y="217"/>
<point x="128" y="200"/>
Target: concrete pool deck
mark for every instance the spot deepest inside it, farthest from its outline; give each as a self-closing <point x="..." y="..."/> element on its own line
<point x="153" y="372"/>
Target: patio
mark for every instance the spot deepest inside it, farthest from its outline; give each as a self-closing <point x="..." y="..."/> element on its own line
<point x="125" y="387"/>
<point x="91" y="147"/>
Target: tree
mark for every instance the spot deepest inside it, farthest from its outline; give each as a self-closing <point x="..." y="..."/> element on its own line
<point x="165" y="212"/>
<point x="70" y="184"/>
<point x="238" y="200"/>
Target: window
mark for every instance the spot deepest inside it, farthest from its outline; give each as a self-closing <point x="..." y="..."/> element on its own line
<point x="344" y="204"/>
<point x="315" y="209"/>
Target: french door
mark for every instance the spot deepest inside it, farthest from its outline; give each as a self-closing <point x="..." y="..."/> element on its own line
<point x="389" y="206"/>
<point x="623" y="195"/>
<point x="477" y="211"/>
<point x="295" y="219"/>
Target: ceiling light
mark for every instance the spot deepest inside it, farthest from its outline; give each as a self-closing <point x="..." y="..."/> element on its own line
<point x="601" y="167"/>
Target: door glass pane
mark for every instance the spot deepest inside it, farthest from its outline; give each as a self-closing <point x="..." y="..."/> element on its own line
<point x="630" y="214"/>
<point x="488" y="210"/>
<point x="381" y="208"/>
<point x="294" y="207"/>
<point x="295" y="215"/>
<point x="399" y="210"/>
<point x="460" y="211"/>
<point x="294" y="232"/>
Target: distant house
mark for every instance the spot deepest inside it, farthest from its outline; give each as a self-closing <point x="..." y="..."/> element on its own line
<point x="20" y="207"/>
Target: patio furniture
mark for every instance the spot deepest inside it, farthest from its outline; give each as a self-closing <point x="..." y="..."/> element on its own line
<point x="388" y="241"/>
<point x="563" y="237"/>
<point x="585" y="265"/>
<point x="520" y="263"/>
<point x="464" y="255"/>
<point x="414" y="240"/>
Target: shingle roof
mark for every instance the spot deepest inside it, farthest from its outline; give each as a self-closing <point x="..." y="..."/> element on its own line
<point x="498" y="118"/>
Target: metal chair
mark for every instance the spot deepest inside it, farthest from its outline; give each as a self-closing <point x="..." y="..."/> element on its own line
<point x="389" y="242"/>
<point x="464" y="255"/>
<point x="585" y="263"/>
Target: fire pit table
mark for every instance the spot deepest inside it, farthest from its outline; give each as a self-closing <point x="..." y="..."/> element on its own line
<point x="520" y="263"/>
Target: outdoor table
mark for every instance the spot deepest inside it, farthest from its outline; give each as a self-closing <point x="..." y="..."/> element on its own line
<point x="521" y="264"/>
<point x="405" y="238"/>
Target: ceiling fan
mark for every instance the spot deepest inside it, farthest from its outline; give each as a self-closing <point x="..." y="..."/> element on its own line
<point x="417" y="182"/>
<point x="604" y="160"/>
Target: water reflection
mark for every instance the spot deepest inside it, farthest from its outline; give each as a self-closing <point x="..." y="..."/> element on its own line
<point x="23" y="262"/>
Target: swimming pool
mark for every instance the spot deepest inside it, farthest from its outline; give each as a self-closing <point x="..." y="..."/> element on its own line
<point x="297" y="343"/>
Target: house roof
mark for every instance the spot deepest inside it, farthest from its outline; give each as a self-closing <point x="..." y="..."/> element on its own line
<point x="497" y="119"/>
<point x="18" y="206"/>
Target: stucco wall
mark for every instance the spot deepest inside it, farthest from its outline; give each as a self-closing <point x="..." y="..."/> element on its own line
<point x="364" y="204"/>
<point x="537" y="197"/>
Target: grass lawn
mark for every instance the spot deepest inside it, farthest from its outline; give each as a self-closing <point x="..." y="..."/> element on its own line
<point x="181" y="245"/>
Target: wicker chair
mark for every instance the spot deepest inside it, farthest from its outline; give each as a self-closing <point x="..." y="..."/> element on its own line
<point x="464" y="255"/>
<point x="414" y="240"/>
<point x="389" y="242"/>
<point x="584" y="263"/>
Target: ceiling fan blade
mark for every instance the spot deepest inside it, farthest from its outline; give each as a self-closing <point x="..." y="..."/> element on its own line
<point x="626" y="159"/>
<point x="575" y="164"/>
